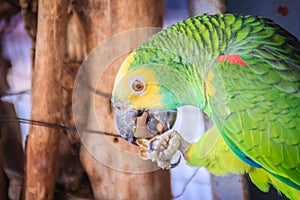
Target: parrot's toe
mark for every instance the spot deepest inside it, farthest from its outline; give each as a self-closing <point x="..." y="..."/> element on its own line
<point x="162" y="149"/>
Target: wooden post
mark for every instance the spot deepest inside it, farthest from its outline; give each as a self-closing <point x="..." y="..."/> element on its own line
<point x="106" y="18"/>
<point x="42" y="142"/>
<point x="197" y="7"/>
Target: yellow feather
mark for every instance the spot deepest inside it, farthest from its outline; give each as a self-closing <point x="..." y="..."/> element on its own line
<point x="212" y="152"/>
<point x="124" y="67"/>
<point x="210" y="90"/>
<point x="149" y="98"/>
<point x="262" y="179"/>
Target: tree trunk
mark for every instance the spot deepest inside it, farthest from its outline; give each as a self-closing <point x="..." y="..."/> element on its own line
<point x="42" y="142"/>
<point x="197" y="7"/>
<point x="90" y="23"/>
<point x="115" y="178"/>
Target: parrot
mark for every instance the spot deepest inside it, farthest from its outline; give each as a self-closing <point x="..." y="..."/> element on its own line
<point x="243" y="73"/>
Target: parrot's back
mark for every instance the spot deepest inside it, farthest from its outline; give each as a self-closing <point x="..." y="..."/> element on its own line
<point x="252" y="86"/>
<point x="253" y="91"/>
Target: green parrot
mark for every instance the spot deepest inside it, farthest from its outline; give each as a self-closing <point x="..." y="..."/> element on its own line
<point x="243" y="72"/>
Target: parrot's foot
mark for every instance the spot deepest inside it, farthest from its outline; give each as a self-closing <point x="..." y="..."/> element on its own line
<point x="162" y="148"/>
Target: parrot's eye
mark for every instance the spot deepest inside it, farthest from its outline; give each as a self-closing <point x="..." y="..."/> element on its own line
<point x="137" y="85"/>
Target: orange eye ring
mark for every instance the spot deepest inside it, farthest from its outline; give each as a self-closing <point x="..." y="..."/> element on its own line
<point x="138" y="86"/>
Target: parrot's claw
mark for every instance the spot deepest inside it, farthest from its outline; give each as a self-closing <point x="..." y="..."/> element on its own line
<point x="161" y="149"/>
<point x="173" y="165"/>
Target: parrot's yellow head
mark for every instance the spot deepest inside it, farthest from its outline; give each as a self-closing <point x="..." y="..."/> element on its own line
<point x="138" y="88"/>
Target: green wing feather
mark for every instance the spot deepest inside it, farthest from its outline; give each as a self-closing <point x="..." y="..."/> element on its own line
<point x="257" y="107"/>
<point x="212" y="152"/>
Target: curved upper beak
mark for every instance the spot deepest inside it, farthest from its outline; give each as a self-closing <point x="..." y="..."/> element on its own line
<point x="125" y="118"/>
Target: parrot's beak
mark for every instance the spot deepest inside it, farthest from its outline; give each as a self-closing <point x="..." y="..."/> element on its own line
<point x="126" y="119"/>
<point x="160" y="121"/>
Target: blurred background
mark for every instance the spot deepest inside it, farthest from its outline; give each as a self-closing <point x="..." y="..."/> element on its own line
<point x="15" y="78"/>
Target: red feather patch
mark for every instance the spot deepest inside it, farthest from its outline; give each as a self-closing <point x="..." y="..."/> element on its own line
<point x="232" y="59"/>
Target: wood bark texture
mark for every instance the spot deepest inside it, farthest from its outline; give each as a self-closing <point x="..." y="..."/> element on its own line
<point x="89" y="23"/>
<point x="42" y="142"/>
<point x="101" y="20"/>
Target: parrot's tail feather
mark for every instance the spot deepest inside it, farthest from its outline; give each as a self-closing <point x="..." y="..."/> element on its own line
<point x="263" y="179"/>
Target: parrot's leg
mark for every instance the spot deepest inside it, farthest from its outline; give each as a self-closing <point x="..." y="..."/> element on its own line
<point x="162" y="148"/>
